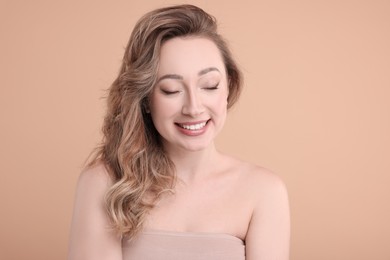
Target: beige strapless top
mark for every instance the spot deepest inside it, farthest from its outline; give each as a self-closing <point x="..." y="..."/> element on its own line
<point x="167" y="245"/>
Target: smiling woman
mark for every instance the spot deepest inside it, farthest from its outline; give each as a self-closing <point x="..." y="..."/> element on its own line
<point x="157" y="187"/>
<point x="190" y="98"/>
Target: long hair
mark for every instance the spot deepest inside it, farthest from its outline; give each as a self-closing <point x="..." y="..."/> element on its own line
<point x="131" y="148"/>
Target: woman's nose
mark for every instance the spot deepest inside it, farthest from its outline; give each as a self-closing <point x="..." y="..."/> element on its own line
<point x="193" y="105"/>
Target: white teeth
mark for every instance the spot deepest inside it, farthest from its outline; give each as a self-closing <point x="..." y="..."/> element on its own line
<point x="194" y="127"/>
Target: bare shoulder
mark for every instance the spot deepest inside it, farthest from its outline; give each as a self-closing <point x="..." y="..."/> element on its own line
<point x="255" y="174"/>
<point x="92" y="186"/>
<point x="259" y="183"/>
<point x="95" y="176"/>
<point x="265" y="199"/>
<point x="265" y="180"/>
<point x="91" y="226"/>
<point x="267" y="235"/>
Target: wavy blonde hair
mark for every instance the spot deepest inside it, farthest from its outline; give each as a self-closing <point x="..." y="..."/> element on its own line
<point x="131" y="149"/>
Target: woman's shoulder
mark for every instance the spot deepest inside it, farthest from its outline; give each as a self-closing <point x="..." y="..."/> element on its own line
<point x="263" y="199"/>
<point x="91" y="225"/>
<point x="257" y="180"/>
<point x="96" y="176"/>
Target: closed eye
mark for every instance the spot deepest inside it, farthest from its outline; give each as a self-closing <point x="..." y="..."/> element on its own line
<point x="167" y="92"/>
<point x="212" y="88"/>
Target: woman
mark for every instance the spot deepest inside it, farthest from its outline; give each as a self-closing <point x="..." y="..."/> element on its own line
<point x="157" y="187"/>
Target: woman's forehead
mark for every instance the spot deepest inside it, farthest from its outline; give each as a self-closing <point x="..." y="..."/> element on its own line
<point x="190" y="56"/>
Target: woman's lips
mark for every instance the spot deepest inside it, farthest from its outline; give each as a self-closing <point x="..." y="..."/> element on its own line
<point x="193" y="128"/>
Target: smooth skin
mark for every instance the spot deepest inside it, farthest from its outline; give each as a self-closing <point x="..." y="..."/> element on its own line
<point x="215" y="193"/>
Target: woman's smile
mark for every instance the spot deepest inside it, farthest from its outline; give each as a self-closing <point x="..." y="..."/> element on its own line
<point x="193" y="128"/>
<point x="188" y="105"/>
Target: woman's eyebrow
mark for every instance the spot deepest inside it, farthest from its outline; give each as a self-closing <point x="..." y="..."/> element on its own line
<point x="207" y="70"/>
<point x="178" y="77"/>
<point x="170" y="76"/>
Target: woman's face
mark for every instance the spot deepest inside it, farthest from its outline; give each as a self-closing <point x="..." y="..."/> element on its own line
<point x="188" y="104"/>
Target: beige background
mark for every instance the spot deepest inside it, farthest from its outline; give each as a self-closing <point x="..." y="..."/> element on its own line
<point x="316" y="110"/>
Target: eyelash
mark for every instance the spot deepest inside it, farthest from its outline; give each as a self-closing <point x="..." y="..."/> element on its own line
<point x="166" y="92"/>
<point x="212" y="88"/>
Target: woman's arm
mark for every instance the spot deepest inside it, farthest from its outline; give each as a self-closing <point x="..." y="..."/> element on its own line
<point x="268" y="235"/>
<point x="91" y="237"/>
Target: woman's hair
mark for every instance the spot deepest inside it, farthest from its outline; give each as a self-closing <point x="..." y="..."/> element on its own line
<point x="131" y="148"/>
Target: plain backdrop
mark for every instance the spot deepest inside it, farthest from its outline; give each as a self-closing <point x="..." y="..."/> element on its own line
<point x="315" y="110"/>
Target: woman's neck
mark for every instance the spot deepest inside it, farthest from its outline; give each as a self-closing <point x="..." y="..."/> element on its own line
<point x="194" y="165"/>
